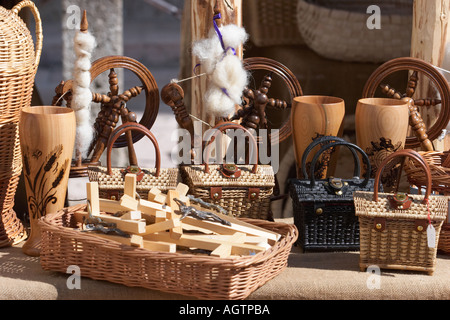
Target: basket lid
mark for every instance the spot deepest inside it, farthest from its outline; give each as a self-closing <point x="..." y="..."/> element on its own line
<point x="16" y="43"/>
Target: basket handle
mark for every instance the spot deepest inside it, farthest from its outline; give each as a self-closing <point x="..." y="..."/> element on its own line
<point x="132" y="126"/>
<point x="330" y="139"/>
<point x="37" y="18"/>
<point x="404" y="153"/>
<point x="351" y="147"/>
<point x="231" y="125"/>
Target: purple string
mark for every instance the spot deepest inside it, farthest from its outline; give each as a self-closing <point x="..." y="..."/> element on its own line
<point x="216" y="27"/>
<point x="195" y="68"/>
<point x="219" y="34"/>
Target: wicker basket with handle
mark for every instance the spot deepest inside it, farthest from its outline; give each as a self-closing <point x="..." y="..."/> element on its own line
<point x="111" y="180"/>
<point x="19" y="60"/>
<point x="201" y="276"/>
<point x="393" y="227"/>
<point x="246" y="194"/>
<point x="439" y="163"/>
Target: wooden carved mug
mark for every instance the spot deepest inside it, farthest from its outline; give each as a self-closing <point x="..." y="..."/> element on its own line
<point x="313" y="117"/>
<point x="381" y="128"/>
<point x="47" y="138"/>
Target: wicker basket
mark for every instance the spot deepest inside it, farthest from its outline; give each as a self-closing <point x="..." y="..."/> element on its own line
<point x="337" y="29"/>
<point x="244" y="191"/>
<point x="18" y="65"/>
<point x="444" y="239"/>
<point x="111" y="180"/>
<point x="200" y="276"/>
<point x="393" y="235"/>
<point x="439" y="163"/>
<point x="272" y="23"/>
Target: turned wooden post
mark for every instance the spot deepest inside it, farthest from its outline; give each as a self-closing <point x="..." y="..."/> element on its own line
<point x="430" y="36"/>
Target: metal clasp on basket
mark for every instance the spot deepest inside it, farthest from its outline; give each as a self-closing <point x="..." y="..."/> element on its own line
<point x="336" y="186"/>
<point x="134" y="170"/>
<point x="400" y="201"/>
<point x="230" y="170"/>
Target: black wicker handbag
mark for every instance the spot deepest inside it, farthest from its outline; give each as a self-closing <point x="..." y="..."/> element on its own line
<point x="324" y="211"/>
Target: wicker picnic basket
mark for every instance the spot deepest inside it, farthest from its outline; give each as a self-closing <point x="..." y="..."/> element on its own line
<point x="245" y="193"/>
<point x="393" y="226"/>
<point x="18" y="65"/>
<point x="201" y="276"/>
<point x="111" y="180"/>
<point x="337" y="29"/>
<point x="272" y="23"/>
<point x="439" y="163"/>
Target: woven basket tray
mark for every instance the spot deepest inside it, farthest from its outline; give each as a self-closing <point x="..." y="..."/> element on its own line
<point x="201" y="276"/>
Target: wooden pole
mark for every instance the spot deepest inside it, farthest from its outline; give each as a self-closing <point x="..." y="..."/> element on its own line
<point x="429" y="42"/>
<point x="196" y="23"/>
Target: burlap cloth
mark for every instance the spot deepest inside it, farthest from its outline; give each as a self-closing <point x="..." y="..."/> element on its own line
<point x="315" y="276"/>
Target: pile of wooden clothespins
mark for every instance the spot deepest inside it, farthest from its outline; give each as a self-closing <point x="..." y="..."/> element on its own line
<point x="172" y="222"/>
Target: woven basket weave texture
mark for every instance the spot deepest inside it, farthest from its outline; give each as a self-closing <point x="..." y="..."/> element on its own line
<point x="272" y="23"/>
<point x="204" y="277"/>
<point x="235" y="192"/>
<point x="168" y="179"/>
<point x="19" y="60"/>
<point x="338" y="29"/>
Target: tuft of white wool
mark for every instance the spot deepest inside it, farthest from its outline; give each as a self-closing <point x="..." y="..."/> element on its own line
<point x="224" y="69"/>
<point x="208" y="51"/>
<point x="233" y="36"/>
<point x="229" y="74"/>
<point x="217" y="102"/>
<point x="83" y="63"/>
<point x="84" y="44"/>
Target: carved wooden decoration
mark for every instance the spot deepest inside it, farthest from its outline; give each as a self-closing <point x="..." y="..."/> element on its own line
<point x="417" y="68"/>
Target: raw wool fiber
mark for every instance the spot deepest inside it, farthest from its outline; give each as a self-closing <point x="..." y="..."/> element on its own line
<point x="84" y="44"/>
<point x="226" y="74"/>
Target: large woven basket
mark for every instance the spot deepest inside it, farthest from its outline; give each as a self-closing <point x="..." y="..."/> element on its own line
<point x="337" y="29"/>
<point x="201" y="276"/>
<point x="18" y="65"/>
<point x="271" y="23"/>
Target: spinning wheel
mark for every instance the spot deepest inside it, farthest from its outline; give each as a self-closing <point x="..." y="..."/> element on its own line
<point x="414" y="70"/>
<point x="114" y="104"/>
<point x="253" y="113"/>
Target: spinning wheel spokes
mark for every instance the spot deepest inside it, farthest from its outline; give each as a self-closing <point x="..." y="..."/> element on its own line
<point x="410" y="91"/>
<point x="254" y="113"/>
<point x="148" y="85"/>
<point x="436" y="96"/>
<point x="113" y="105"/>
